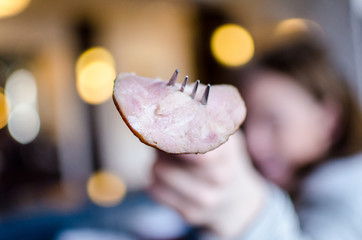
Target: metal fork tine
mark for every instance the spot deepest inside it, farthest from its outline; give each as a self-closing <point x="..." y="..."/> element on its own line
<point x="173" y="78"/>
<point x="194" y="89"/>
<point x="206" y="95"/>
<point x="184" y="84"/>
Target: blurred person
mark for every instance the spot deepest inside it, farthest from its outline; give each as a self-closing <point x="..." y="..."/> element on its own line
<point x="295" y="170"/>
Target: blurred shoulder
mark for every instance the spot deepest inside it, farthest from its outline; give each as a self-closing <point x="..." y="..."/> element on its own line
<point x="339" y="178"/>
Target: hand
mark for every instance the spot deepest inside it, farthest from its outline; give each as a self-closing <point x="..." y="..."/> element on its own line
<point x="219" y="190"/>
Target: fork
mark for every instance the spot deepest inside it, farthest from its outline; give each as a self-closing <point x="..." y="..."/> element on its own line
<point x="204" y="97"/>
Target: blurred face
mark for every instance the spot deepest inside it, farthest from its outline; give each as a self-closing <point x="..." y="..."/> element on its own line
<point x="286" y="128"/>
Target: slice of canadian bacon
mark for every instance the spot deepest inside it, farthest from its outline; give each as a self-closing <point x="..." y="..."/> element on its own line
<point x="168" y="119"/>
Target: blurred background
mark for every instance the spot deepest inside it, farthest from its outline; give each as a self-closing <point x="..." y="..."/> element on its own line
<point x="69" y="167"/>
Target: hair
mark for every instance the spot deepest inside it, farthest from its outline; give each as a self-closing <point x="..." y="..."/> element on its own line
<point x="306" y="62"/>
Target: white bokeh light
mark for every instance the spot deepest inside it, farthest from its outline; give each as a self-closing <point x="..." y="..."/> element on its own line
<point x="24" y="123"/>
<point x="21" y="88"/>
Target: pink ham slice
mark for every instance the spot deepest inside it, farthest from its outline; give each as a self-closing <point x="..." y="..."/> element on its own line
<point x="165" y="118"/>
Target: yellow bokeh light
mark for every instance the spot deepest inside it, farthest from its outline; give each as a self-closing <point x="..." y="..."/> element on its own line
<point x="232" y="45"/>
<point x="4" y="109"/>
<point x="92" y="55"/>
<point x="95" y="72"/>
<point x="10" y="8"/>
<point x="95" y="82"/>
<point x="295" y="26"/>
<point x="106" y="189"/>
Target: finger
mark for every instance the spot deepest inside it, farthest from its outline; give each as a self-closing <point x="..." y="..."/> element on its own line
<point x="171" y="198"/>
<point x="233" y="146"/>
<point x="167" y="196"/>
<point x="211" y="173"/>
<point x="186" y="184"/>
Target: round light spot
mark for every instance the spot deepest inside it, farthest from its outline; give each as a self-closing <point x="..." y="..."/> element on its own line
<point x="95" y="72"/>
<point x="95" y="82"/>
<point x="296" y="26"/>
<point x="232" y="45"/>
<point x="24" y="124"/>
<point x="106" y="189"/>
<point x="10" y="8"/>
<point x="21" y="88"/>
<point x="94" y="54"/>
<point x="4" y="109"/>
